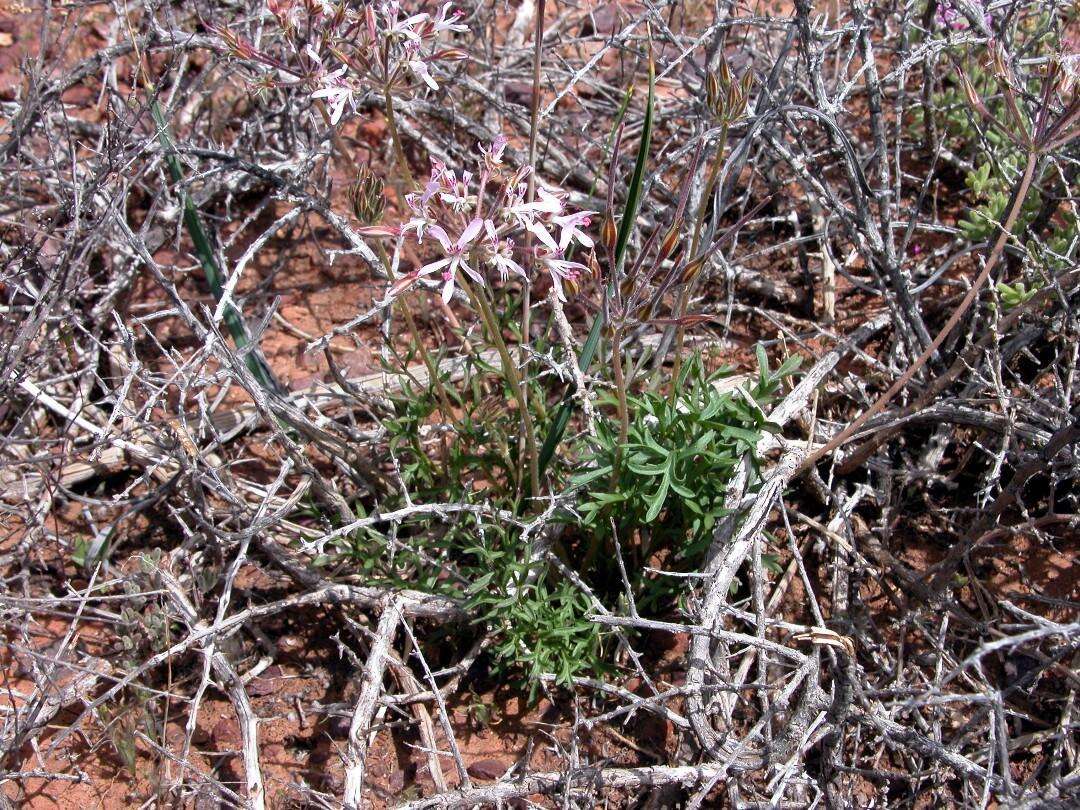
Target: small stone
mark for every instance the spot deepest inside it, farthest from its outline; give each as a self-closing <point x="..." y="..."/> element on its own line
<point x="267" y="683"/>
<point x="396" y="781"/>
<point x="487" y="769"/>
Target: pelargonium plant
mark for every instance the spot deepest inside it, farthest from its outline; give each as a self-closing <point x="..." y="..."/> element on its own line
<point x="483" y="227"/>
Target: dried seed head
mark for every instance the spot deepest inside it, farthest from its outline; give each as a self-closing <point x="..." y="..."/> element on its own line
<point x="366" y="197"/>
<point x="1068" y="73"/>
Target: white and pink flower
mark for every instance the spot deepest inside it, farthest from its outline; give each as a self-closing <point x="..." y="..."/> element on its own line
<point x="456" y="258"/>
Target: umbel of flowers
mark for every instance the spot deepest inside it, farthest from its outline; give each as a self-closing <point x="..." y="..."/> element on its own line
<point x="343" y="50"/>
<point x="482" y="225"/>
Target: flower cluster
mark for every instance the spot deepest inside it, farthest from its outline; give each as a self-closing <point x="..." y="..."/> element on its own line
<point x="480" y="224"/>
<point x="342" y="52"/>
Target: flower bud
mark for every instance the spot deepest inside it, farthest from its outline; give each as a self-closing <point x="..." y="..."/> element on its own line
<point x="451" y="54"/>
<point x="693" y="269"/>
<point x="712" y="91"/>
<point x="671" y="241"/>
<point x="571" y="285"/>
<point x="238" y="46"/>
<point x="594" y="266"/>
<point x="366" y="197"/>
<point x="402" y="284"/>
<point x="609" y="234"/>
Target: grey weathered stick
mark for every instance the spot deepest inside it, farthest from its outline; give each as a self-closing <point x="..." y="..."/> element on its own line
<point x="360" y="728"/>
<point x="596" y="779"/>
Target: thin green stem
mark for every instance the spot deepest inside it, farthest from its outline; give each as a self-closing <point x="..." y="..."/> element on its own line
<point x="620" y="392"/>
<point x="513" y="379"/>
<point x="414" y="332"/>
<point x="695" y="243"/>
<point x="399" y="152"/>
<point x="534" y="119"/>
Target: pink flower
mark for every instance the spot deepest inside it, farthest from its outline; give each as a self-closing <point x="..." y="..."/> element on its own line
<point x="570" y="225"/>
<point x="456" y="254"/>
<point x="949" y="14"/>
<point x="418" y="67"/>
<point x="401" y="29"/>
<point x="445" y="20"/>
<point x="419" y="205"/>
<point x="501" y="253"/>
<point x="456" y="194"/>
<point x="559" y="270"/>
<point x="493" y="154"/>
<point x="337" y="91"/>
<point x="526" y="212"/>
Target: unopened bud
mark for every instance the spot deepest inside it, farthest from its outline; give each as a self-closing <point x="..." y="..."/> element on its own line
<point x="237" y="45"/>
<point x="366" y="197"/>
<point x="570" y="285"/>
<point x="1001" y="70"/>
<point x="369" y="18"/>
<point x="671" y="241"/>
<point x="725" y="74"/>
<point x="594" y="266"/>
<point x="452" y="54"/>
<point x="609" y="234"/>
<point x="712" y="91"/>
<point x="972" y="96"/>
<point x="402" y="284"/>
<point x="693" y="269"/>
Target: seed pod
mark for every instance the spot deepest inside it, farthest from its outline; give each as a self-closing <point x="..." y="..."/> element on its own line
<point x="366" y="197"/>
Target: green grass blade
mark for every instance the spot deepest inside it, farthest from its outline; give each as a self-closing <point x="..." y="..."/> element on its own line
<point x="633" y="196"/>
<point x="205" y="254"/>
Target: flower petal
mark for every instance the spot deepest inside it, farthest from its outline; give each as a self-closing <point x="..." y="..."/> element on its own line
<point x="440" y="234"/>
<point x="470" y="232"/>
<point x="428" y="269"/>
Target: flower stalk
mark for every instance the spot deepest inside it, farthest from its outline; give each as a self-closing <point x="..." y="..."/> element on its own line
<point x="510" y="374"/>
